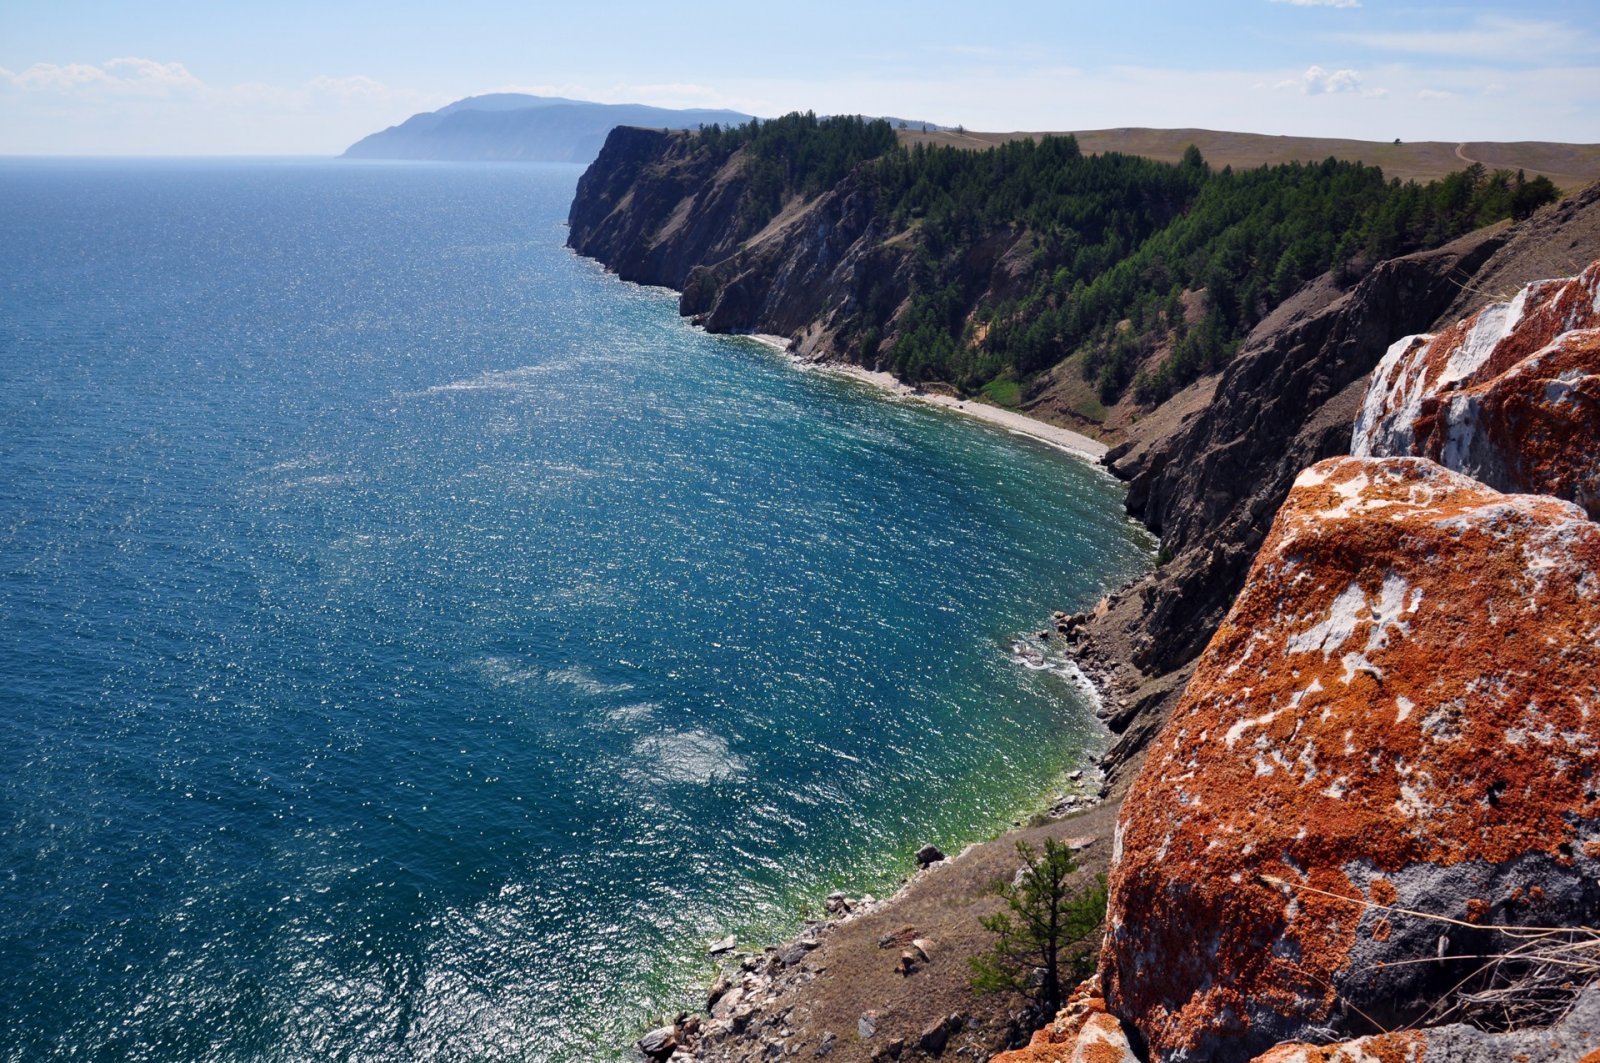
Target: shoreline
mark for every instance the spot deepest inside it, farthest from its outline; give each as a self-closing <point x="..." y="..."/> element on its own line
<point x="1063" y="439"/>
<point x="836" y="968"/>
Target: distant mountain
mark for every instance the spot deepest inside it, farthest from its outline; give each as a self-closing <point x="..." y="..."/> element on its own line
<point x="514" y="126"/>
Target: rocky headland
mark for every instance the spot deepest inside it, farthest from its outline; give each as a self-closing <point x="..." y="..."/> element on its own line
<point x="1354" y="707"/>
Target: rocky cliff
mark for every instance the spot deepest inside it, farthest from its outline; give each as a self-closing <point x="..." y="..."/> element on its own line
<point x="1377" y="804"/>
<point x="658" y="212"/>
<point x="1210" y="488"/>
<point x="652" y="209"/>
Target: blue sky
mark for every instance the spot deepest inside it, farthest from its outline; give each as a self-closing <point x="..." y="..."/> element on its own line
<point x="297" y="77"/>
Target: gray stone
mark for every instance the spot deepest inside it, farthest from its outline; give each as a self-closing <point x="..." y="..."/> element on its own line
<point x="935" y="1037"/>
<point x="867" y="1025"/>
<point x="826" y="1046"/>
<point x="728" y="1003"/>
<point x="659" y="1043"/>
<point x="718" y="990"/>
<point x="722" y="945"/>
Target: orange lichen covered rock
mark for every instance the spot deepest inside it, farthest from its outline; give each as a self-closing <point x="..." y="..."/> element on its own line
<point x="1384" y="1048"/>
<point x="1082" y="1032"/>
<point x="1509" y="396"/>
<point x="1402" y="711"/>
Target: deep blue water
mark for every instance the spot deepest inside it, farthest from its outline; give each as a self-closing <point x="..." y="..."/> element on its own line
<point x="417" y="644"/>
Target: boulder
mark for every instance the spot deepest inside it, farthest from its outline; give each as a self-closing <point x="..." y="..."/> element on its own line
<point x="929" y="855"/>
<point x="1509" y="396"/>
<point x="1401" y="711"/>
<point x="1575" y="1039"/>
<point x="727" y="1004"/>
<point x="718" y="990"/>
<point x="659" y="1043"/>
<point x="935" y="1037"/>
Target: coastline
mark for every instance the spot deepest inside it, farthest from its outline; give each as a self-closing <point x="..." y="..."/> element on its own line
<point x="839" y="970"/>
<point x="1064" y="439"/>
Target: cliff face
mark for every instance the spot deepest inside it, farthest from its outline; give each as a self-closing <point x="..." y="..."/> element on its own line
<point x="656" y="212"/>
<point x="652" y="210"/>
<point x="1287" y="400"/>
<point x="1385" y="762"/>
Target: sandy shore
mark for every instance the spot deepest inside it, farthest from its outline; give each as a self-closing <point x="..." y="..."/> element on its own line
<point x="1060" y="438"/>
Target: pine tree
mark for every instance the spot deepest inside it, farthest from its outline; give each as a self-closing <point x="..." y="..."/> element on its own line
<point x="1048" y="933"/>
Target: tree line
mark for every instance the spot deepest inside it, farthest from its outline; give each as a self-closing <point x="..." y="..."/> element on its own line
<point x="1126" y="256"/>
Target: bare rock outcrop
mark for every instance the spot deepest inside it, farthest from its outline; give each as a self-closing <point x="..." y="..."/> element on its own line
<point x="1401" y="711"/>
<point x="1509" y="396"/>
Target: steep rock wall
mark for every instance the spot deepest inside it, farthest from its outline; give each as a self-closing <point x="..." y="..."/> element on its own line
<point x="657" y="212"/>
<point x="651" y="209"/>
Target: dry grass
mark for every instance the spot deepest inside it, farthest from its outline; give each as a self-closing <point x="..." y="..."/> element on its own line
<point x="1570" y="166"/>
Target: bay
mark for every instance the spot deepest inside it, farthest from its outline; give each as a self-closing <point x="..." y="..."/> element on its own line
<point x="418" y="644"/>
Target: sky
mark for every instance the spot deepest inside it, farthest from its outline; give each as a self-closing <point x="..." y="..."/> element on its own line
<point x="309" y="77"/>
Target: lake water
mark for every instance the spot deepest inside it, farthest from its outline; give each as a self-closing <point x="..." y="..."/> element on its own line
<point x="418" y="644"/>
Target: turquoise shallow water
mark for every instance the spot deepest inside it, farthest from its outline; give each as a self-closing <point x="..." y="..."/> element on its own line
<point x="417" y="644"/>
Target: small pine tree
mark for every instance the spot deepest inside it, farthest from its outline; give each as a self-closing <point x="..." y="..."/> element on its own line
<point x="1047" y="935"/>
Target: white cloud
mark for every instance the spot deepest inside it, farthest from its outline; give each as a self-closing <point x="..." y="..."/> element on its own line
<point x="147" y="74"/>
<point x="1434" y="94"/>
<point x="126" y="75"/>
<point x="356" y="87"/>
<point x="1316" y="81"/>
<point x="1320" y="3"/>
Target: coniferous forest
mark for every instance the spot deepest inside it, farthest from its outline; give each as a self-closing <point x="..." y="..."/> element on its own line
<point x="1128" y="256"/>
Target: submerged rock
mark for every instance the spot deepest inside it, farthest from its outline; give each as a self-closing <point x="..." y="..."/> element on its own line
<point x="1401" y="711"/>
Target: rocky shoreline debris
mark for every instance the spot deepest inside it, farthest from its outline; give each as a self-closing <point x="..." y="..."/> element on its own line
<point x="751" y="1010"/>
